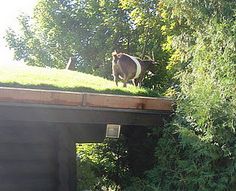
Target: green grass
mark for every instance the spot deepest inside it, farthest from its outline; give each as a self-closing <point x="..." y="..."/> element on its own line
<point x="54" y="79"/>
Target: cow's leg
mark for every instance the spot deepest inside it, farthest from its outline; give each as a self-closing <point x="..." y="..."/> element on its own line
<point x="139" y="80"/>
<point x="116" y="79"/>
<point x="124" y="83"/>
<point x="115" y="72"/>
<point x="125" y="80"/>
<point x="136" y="82"/>
<point x="139" y="84"/>
<point x="133" y="82"/>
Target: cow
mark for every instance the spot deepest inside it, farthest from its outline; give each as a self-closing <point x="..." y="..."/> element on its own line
<point x="130" y="68"/>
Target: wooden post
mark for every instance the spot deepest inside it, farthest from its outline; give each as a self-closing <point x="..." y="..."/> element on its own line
<point x="66" y="161"/>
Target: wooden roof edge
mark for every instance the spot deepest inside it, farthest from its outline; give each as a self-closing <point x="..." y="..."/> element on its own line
<point x="81" y="93"/>
<point x="84" y="99"/>
<point x="84" y="108"/>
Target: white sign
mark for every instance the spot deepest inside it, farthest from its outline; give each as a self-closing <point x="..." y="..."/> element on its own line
<point x="113" y="131"/>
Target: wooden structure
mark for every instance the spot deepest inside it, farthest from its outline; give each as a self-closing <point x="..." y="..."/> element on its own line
<point x="39" y="129"/>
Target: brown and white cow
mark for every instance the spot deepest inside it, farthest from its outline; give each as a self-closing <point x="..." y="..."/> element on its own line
<point x="130" y="68"/>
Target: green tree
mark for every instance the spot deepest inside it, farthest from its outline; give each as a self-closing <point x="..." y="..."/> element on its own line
<point x="103" y="166"/>
<point x="197" y="150"/>
<point x="146" y="22"/>
<point x="27" y="46"/>
<point x="90" y="30"/>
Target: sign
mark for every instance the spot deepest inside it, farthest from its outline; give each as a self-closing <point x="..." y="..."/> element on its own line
<point x="113" y="131"/>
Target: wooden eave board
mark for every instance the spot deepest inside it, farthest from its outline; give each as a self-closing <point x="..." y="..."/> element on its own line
<point x="51" y="97"/>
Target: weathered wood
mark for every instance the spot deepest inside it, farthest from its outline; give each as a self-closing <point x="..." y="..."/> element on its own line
<point x="26" y="164"/>
<point x="65" y="114"/>
<point x="66" y="161"/>
<point x="27" y="167"/>
<point x="10" y="131"/>
<point x="87" y="133"/>
<point x="19" y="95"/>
<point x="127" y="102"/>
<point x="37" y="151"/>
<point x="27" y="184"/>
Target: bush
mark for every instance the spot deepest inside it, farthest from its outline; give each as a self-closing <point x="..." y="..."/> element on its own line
<point x="198" y="148"/>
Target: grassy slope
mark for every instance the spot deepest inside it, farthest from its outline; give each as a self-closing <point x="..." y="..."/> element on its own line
<point x="54" y="79"/>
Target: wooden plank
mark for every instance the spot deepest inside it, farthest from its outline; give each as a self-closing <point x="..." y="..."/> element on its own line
<point x="21" y="132"/>
<point x="60" y="114"/>
<point x="28" y="168"/>
<point x="85" y="133"/>
<point x="66" y="161"/>
<point x="24" y="152"/>
<point x="127" y="102"/>
<point x="22" y="187"/>
<point x="28" y="157"/>
<point x="21" y="183"/>
<point x="20" y="95"/>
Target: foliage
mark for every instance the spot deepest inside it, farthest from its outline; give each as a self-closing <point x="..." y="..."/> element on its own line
<point x="121" y="164"/>
<point x="86" y="178"/>
<point x="108" y="163"/>
<point x="27" y="46"/>
<point x="197" y="150"/>
<point x="147" y="24"/>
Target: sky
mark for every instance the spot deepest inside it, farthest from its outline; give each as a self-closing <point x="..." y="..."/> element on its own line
<point x="9" y="11"/>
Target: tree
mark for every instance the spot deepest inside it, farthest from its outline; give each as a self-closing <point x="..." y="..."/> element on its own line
<point x="86" y="29"/>
<point x="27" y="46"/>
<point x="197" y="150"/>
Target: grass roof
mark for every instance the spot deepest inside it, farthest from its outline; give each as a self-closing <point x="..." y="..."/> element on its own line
<point x="22" y="76"/>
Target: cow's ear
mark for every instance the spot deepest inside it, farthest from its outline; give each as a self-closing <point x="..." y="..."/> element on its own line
<point x="114" y="53"/>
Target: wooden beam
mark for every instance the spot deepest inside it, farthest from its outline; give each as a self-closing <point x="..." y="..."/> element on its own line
<point x="127" y="102"/>
<point x="20" y="95"/>
<point x="78" y="115"/>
